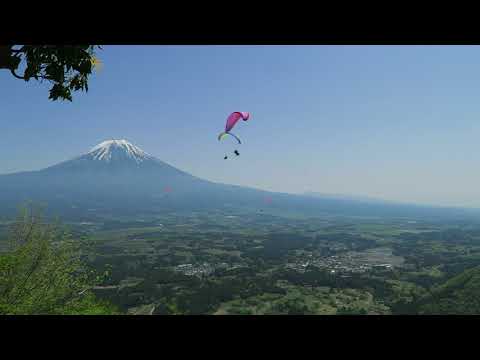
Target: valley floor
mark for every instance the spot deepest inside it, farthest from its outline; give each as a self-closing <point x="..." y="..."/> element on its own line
<point x="217" y="263"/>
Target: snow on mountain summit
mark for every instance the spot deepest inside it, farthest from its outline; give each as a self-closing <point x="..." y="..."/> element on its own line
<point x="112" y="149"/>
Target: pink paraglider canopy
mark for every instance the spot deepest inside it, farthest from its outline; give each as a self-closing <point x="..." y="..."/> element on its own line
<point x="234" y="117"/>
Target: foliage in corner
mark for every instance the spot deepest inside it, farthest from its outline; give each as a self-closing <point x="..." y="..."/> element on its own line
<point x="67" y="68"/>
<point x="43" y="272"/>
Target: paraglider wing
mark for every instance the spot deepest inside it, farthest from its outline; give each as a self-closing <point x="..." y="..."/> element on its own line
<point x="233" y="119"/>
<point x="224" y="134"/>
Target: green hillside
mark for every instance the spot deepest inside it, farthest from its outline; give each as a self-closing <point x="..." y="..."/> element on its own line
<point x="459" y="295"/>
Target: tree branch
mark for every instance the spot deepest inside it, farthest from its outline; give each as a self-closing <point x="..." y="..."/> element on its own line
<point x="22" y="288"/>
<point x="17" y="76"/>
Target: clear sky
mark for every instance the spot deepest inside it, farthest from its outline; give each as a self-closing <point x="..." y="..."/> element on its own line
<point x="393" y="122"/>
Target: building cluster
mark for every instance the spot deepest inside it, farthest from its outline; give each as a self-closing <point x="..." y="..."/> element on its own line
<point x="345" y="263"/>
<point x="205" y="269"/>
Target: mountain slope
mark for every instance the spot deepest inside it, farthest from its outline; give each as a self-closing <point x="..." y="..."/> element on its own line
<point x="365" y="199"/>
<point x="117" y="177"/>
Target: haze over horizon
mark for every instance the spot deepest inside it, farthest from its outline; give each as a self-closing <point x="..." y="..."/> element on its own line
<point x="396" y="123"/>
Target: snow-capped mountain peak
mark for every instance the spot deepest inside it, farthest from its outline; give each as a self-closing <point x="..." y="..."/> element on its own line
<point x="111" y="149"/>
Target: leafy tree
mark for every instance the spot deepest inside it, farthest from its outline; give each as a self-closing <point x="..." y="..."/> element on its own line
<point x="67" y="68"/>
<point x="348" y="310"/>
<point x="297" y="307"/>
<point x="43" y="272"/>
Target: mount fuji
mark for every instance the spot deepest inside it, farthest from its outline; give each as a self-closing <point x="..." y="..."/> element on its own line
<point x="117" y="177"/>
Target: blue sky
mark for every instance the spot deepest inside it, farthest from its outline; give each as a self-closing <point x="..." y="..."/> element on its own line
<point x="394" y="122"/>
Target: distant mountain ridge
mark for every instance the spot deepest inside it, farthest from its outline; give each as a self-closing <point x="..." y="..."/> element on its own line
<point x="348" y="197"/>
<point x="118" y="177"/>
